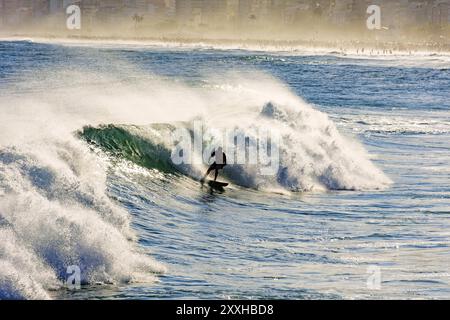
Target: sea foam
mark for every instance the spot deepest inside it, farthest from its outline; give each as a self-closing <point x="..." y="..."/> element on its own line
<point x="55" y="213"/>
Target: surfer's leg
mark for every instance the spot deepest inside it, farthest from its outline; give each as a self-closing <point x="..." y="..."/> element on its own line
<point x="216" y="174"/>
<point x="211" y="167"/>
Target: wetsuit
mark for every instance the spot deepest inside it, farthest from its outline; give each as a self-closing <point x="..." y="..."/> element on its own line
<point x="219" y="163"/>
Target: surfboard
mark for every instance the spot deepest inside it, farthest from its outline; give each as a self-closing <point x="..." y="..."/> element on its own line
<point x="217" y="184"/>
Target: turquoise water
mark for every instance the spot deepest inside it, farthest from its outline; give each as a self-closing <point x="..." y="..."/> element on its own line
<point x="110" y="201"/>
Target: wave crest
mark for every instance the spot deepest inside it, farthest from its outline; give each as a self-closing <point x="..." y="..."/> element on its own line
<point x="313" y="155"/>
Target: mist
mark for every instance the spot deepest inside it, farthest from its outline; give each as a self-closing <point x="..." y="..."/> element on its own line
<point x="342" y="25"/>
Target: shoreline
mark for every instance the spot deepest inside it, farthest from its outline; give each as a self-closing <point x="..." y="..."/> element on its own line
<point x="357" y="47"/>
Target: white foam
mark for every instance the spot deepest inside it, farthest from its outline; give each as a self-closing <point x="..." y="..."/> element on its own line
<point x="405" y="58"/>
<point x="54" y="214"/>
<point x="313" y="154"/>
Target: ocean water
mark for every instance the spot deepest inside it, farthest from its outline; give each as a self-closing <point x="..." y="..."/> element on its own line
<point x="357" y="208"/>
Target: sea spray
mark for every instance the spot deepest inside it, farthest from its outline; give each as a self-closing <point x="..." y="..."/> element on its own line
<point x="55" y="211"/>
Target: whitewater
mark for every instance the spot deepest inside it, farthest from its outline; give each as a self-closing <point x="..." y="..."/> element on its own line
<point x="87" y="177"/>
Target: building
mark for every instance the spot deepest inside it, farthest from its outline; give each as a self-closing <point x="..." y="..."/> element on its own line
<point x="296" y="11"/>
<point x="2" y="16"/>
<point x="440" y="13"/>
<point x="16" y="12"/>
<point x="214" y="12"/>
<point x="240" y="13"/>
<point x="108" y="11"/>
<point x="58" y="7"/>
<point x="190" y="12"/>
<point x="40" y="8"/>
<point x="170" y="9"/>
<point x="55" y="6"/>
<point x="418" y="12"/>
<point x="395" y="15"/>
<point x="252" y="12"/>
<point x="344" y="12"/>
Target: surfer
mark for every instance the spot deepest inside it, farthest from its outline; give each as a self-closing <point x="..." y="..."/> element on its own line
<point x="220" y="161"/>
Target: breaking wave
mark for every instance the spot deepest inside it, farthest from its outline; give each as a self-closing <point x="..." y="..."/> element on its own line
<point x="55" y="211"/>
<point x="313" y="155"/>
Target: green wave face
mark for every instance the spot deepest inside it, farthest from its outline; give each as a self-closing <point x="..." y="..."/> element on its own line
<point x="124" y="142"/>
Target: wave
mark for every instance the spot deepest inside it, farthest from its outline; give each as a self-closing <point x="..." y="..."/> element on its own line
<point x="55" y="213"/>
<point x="128" y="144"/>
<point x="313" y="155"/>
<point x="435" y="122"/>
<point x="406" y="58"/>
